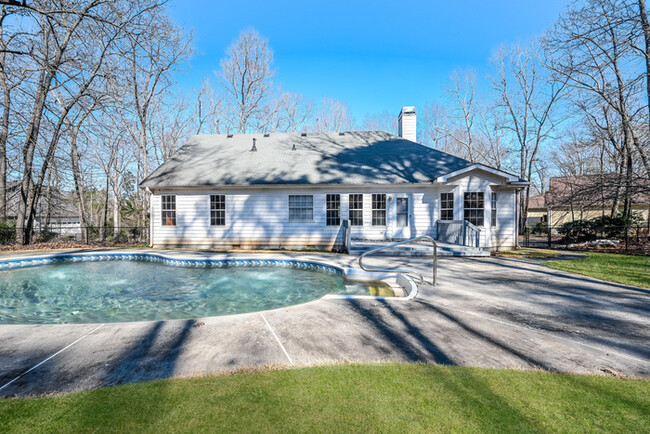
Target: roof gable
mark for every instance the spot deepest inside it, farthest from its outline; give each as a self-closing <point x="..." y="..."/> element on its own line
<point x="477" y="167"/>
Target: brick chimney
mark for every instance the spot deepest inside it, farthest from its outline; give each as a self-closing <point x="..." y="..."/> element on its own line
<point x="407" y="124"/>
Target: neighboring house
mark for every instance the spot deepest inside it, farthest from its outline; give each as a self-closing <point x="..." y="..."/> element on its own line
<point x="297" y="191"/>
<point x="54" y="207"/>
<point x="582" y="197"/>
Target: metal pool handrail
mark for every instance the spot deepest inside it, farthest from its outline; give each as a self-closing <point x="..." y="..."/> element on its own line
<point x="411" y="273"/>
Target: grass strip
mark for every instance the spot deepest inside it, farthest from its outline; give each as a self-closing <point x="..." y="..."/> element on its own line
<point x="383" y="397"/>
<point x="613" y="267"/>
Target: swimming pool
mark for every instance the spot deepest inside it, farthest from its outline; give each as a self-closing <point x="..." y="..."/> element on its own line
<point x="115" y="288"/>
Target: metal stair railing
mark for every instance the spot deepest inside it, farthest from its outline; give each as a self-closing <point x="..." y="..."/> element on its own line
<point x="410" y="273"/>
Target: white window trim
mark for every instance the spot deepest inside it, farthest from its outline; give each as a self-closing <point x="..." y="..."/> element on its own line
<point x="373" y="209"/>
<point x="333" y="209"/>
<point x="162" y="196"/>
<point x="225" y="209"/>
<point x="453" y="206"/>
<point x="362" y="209"/>
<point x="483" y="209"/>
<point x="289" y="209"/>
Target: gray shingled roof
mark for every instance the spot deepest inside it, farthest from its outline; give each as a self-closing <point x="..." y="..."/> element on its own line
<point x="369" y="157"/>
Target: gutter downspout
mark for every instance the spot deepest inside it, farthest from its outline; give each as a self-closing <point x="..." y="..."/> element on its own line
<point x="517" y="219"/>
<point x="150" y="216"/>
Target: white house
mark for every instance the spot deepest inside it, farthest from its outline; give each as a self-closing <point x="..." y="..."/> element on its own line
<point x="302" y="190"/>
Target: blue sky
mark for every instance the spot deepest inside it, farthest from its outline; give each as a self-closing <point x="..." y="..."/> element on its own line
<point x="374" y="55"/>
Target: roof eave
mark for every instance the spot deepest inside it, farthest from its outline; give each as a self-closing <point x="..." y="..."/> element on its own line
<point x="510" y="178"/>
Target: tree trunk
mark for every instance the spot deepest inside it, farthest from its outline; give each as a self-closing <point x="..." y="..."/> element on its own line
<point x="4" y="128"/>
<point x="49" y="67"/>
<point x="105" y="223"/>
<point x="646" y="34"/>
<point x="76" y="174"/>
<point x="23" y="227"/>
<point x="4" y="135"/>
<point x="48" y="201"/>
<point x="116" y="214"/>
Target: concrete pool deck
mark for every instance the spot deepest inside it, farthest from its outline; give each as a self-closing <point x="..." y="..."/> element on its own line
<point x="487" y="312"/>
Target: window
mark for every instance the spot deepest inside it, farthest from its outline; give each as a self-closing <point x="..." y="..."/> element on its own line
<point x="333" y="209"/>
<point x="218" y="209"/>
<point x="379" y="210"/>
<point x="356" y="209"/>
<point x="168" y="209"/>
<point x="301" y="207"/>
<point x="446" y="206"/>
<point x="474" y="207"/>
<point x="493" y="210"/>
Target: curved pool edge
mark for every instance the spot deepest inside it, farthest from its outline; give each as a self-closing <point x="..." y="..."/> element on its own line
<point x="408" y="287"/>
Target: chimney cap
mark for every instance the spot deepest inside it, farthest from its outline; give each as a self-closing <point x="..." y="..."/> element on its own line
<point x="407" y="110"/>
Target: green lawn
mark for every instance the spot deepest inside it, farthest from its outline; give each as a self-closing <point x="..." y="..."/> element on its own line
<point x="524" y="252"/>
<point x="387" y="397"/>
<point x="626" y="269"/>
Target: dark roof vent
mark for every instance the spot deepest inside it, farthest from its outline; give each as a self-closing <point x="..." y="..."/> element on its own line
<point x="254" y="148"/>
<point x="229" y="136"/>
<point x="293" y="148"/>
<point x="303" y="134"/>
<point x="266" y="135"/>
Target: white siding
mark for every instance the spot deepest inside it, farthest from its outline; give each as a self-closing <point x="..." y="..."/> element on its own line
<point x="260" y="217"/>
<point x="502" y="236"/>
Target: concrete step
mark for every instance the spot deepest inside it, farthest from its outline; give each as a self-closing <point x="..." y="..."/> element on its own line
<point x="358" y="248"/>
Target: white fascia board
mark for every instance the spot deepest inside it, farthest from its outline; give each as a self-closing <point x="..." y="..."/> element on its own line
<point x="510" y="178"/>
<point x="324" y="187"/>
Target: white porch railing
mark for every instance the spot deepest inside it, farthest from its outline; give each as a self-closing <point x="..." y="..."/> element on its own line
<point x="459" y="232"/>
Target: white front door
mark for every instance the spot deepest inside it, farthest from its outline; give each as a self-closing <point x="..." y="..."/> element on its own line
<point x="402" y="228"/>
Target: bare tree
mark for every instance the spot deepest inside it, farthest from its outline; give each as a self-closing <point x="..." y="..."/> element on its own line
<point x="246" y="75"/>
<point x="333" y="115"/>
<point x="531" y="101"/>
<point x="383" y="121"/>
<point x="69" y="45"/>
<point x="435" y="127"/>
<point x="74" y="126"/>
<point x="113" y="151"/>
<point x="645" y="52"/>
<point x="464" y="113"/>
<point x="594" y="48"/>
<point x="171" y="122"/>
<point x="287" y="112"/>
<point x="493" y="140"/>
<point x="141" y="74"/>
<point x="209" y="110"/>
<point x="10" y="79"/>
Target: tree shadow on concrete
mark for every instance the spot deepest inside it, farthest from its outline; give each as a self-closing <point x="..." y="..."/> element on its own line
<point x="151" y="357"/>
<point x="535" y="363"/>
<point x="592" y="311"/>
<point x="432" y="352"/>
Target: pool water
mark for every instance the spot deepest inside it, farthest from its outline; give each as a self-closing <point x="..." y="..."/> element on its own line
<point x="91" y="292"/>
